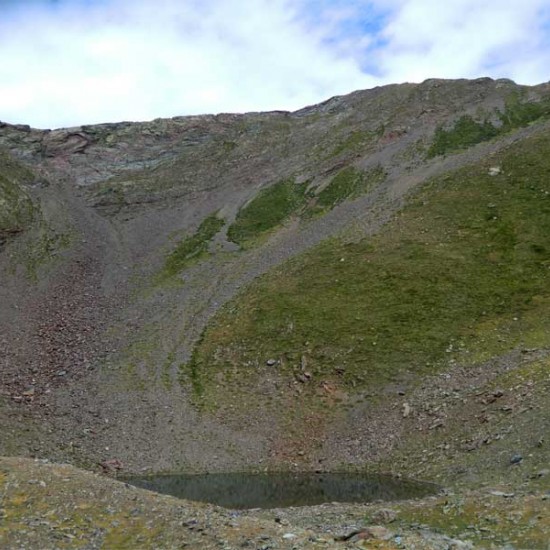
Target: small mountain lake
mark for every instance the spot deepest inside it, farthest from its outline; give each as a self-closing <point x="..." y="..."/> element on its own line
<point x="280" y="490"/>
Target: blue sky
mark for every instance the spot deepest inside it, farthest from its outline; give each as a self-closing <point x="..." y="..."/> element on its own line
<point x="71" y="62"/>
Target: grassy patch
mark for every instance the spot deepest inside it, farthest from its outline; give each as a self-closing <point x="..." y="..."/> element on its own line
<point x="348" y="183"/>
<point x="355" y="141"/>
<point x="16" y="208"/>
<point x="112" y="195"/>
<point x="459" y="269"/>
<point x="229" y="146"/>
<point x="189" y="374"/>
<point x="465" y="133"/>
<point x="520" y="113"/>
<point x="45" y="246"/>
<point x="193" y="247"/>
<point x="487" y="521"/>
<point x="268" y="209"/>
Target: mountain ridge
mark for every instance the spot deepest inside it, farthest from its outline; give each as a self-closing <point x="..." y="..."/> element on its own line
<point x="117" y="335"/>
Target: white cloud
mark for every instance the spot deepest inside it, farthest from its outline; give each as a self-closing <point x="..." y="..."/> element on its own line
<point x="466" y="38"/>
<point x="83" y="61"/>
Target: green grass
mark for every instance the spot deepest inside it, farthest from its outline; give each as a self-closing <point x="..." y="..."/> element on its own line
<point x="464" y="133"/>
<point x="17" y="210"/>
<point x="16" y="207"/>
<point x="520" y="113"/>
<point x="348" y="183"/>
<point x="467" y="132"/>
<point x="268" y="209"/>
<point x="485" y="521"/>
<point x="43" y="248"/>
<point x="464" y="267"/>
<point x="229" y="146"/>
<point x="353" y="142"/>
<point x="193" y="247"/>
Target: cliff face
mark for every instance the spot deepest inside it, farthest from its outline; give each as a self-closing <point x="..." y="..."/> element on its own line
<point x="133" y="327"/>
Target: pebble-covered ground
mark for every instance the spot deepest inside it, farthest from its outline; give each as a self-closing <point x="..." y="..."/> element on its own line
<point x="50" y="506"/>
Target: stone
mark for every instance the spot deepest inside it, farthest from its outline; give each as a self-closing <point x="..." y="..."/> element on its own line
<point x="378" y="532"/>
<point x="406" y="410"/>
<point x="65" y="142"/>
<point x="516" y="459"/>
<point x="271" y="362"/>
<point x="385" y="515"/>
<point x="460" y="544"/>
<point x="111" y="465"/>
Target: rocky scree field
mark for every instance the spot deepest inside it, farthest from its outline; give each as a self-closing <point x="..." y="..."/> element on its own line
<point x="361" y="284"/>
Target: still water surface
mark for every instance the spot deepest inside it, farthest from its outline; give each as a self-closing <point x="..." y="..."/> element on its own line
<point x="279" y="490"/>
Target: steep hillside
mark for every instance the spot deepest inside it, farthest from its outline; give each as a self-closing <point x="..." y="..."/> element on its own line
<point x="359" y="284"/>
<point x="16" y="207"/>
<point x="459" y="274"/>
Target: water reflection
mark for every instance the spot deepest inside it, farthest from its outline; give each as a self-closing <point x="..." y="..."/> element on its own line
<point x="278" y="490"/>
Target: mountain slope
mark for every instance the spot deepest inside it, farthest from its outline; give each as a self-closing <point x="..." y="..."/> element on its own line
<point x="449" y="277"/>
<point x="367" y="219"/>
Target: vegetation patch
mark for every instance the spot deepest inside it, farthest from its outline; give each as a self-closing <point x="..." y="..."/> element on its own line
<point x="484" y="520"/>
<point x="464" y="267"/>
<point x="520" y="113"/>
<point x="16" y="207"/>
<point x="192" y="248"/>
<point x="44" y="246"/>
<point x="229" y="146"/>
<point x="111" y="195"/>
<point x="268" y="209"/>
<point x="467" y="132"/>
<point x="356" y="140"/>
<point x="347" y="184"/>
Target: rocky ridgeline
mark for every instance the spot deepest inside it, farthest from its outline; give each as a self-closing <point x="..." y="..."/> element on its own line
<point x="313" y="140"/>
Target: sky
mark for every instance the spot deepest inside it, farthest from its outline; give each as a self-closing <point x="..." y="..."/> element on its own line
<point x="70" y="62"/>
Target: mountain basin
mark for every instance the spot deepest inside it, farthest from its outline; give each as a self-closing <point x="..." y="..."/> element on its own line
<point x="284" y="489"/>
